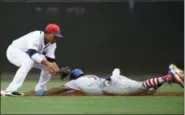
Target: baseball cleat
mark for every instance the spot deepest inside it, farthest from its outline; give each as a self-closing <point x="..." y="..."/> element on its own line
<point x="3" y="93"/>
<point x="7" y="93"/>
<point x="15" y="93"/>
<point x="177" y="75"/>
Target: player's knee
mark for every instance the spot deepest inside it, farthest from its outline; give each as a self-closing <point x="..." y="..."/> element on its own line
<point x="27" y="63"/>
<point x="45" y="71"/>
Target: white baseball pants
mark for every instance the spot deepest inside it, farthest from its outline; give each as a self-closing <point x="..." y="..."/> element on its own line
<point x="120" y="85"/>
<point x="25" y="64"/>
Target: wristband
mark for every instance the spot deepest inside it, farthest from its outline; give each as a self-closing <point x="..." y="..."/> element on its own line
<point x="36" y="57"/>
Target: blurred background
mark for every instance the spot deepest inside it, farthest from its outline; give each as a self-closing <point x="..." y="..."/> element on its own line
<point x="140" y="37"/>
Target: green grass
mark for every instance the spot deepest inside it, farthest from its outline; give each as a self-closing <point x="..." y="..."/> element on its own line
<point x="91" y="104"/>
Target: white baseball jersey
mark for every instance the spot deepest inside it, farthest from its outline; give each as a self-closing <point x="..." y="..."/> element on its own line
<point x="35" y="40"/>
<point x="89" y="84"/>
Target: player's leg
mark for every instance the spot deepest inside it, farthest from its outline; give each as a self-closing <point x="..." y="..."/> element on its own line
<point x="155" y="82"/>
<point x="118" y="84"/>
<point x="149" y="86"/>
<point x="25" y="64"/>
<point x="43" y="80"/>
<point x="42" y="83"/>
<point x="58" y="91"/>
<point x="50" y="92"/>
<point x="174" y="75"/>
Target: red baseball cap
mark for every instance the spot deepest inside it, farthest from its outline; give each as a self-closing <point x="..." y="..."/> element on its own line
<point x="53" y="29"/>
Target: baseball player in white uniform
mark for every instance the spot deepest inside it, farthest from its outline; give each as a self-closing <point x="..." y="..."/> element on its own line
<point x="116" y="84"/>
<point x="34" y="50"/>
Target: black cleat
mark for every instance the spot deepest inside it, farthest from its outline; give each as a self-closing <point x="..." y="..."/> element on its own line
<point x="15" y="93"/>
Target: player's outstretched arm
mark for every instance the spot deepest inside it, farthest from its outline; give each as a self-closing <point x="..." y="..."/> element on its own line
<point x="50" y="92"/>
<point x="55" y="91"/>
<point x="30" y="93"/>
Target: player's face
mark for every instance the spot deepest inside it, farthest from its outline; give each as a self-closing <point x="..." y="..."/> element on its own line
<point x="51" y="38"/>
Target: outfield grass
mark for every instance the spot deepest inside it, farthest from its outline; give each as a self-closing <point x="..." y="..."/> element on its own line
<point x="93" y="104"/>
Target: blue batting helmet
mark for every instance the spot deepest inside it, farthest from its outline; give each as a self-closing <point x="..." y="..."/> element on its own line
<point x="76" y="73"/>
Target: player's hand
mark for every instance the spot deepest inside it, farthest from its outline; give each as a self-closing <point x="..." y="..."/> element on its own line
<point x="56" y="67"/>
<point x="52" y="68"/>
